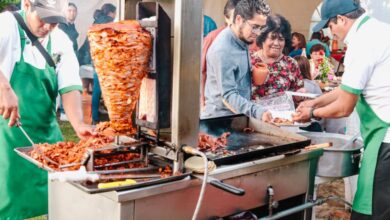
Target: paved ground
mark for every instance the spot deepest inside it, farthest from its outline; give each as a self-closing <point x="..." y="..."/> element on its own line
<point x="332" y="210"/>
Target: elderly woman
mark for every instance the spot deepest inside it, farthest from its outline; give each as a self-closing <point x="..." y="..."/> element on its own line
<point x="283" y="71"/>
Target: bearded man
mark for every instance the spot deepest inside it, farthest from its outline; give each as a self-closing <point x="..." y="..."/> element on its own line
<point x="228" y="84"/>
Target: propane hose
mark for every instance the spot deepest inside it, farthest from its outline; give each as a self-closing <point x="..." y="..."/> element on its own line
<point x="193" y="151"/>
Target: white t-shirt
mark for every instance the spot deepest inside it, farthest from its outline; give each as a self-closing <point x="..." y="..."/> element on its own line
<point x="10" y="48"/>
<point x="367" y="66"/>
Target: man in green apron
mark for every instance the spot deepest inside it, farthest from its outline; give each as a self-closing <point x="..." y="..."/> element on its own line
<point x="366" y="85"/>
<point x="28" y="90"/>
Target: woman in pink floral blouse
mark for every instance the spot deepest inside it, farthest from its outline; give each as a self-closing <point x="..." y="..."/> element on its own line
<point x="284" y="73"/>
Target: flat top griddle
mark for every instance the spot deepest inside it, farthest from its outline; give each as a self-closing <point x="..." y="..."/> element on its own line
<point x="243" y="146"/>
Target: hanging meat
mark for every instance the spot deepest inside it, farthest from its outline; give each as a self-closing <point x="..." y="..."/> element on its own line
<point x="120" y="52"/>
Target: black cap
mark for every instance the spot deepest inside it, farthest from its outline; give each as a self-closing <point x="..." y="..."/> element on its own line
<point x="332" y="8"/>
<point x="50" y="11"/>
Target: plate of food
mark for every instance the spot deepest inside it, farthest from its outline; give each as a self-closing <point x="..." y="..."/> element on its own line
<point x="284" y="119"/>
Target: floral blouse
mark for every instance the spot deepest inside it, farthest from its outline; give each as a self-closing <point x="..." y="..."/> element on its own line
<point x="284" y="75"/>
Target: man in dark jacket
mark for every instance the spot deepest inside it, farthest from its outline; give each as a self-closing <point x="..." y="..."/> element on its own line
<point x="70" y="28"/>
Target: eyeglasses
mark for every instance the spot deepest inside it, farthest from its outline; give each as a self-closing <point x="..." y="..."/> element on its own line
<point x="256" y="29"/>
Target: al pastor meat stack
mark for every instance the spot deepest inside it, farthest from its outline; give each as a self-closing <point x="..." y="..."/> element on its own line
<point x="120" y="52"/>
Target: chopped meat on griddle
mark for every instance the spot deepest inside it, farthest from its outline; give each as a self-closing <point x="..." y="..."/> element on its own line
<point x="210" y="143"/>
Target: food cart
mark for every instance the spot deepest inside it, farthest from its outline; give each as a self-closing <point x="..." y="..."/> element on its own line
<point x="270" y="175"/>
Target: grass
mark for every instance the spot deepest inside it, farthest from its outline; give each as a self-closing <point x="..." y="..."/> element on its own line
<point x="68" y="132"/>
<point x="43" y="217"/>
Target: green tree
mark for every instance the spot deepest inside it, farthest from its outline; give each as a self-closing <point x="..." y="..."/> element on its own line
<point x="4" y="3"/>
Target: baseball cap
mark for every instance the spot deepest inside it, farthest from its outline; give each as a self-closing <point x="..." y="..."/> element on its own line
<point x="332" y="8"/>
<point x="51" y="11"/>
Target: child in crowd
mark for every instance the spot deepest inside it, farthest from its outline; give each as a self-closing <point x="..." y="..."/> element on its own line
<point x="320" y="66"/>
<point x="310" y="86"/>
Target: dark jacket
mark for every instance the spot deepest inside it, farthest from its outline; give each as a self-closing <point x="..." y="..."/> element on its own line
<point x="70" y="30"/>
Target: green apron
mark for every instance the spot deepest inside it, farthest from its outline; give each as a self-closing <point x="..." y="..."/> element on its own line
<point x="373" y="131"/>
<point x="23" y="186"/>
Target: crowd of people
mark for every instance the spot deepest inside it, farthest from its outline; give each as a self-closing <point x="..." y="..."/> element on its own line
<point x="270" y="43"/>
<point x="255" y="55"/>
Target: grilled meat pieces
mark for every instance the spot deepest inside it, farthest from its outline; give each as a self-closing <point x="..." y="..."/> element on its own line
<point x="68" y="152"/>
<point x="210" y="143"/>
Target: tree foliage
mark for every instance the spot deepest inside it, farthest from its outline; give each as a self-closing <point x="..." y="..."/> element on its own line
<point x="5" y="3"/>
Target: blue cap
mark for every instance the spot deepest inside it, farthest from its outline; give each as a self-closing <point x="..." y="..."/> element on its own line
<point x="332" y="8"/>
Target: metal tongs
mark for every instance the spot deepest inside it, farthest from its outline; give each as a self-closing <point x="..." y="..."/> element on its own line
<point x="36" y="148"/>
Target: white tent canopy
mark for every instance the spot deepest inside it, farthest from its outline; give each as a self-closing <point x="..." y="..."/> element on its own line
<point x="379" y="9"/>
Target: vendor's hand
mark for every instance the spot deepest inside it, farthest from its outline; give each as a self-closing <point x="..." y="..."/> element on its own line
<point x="84" y="131"/>
<point x="302" y="115"/>
<point x="266" y="117"/>
<point x="9" y="107"/>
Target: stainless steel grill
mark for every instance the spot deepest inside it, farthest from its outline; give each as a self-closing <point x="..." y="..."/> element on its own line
<point x="290" y="175"/>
